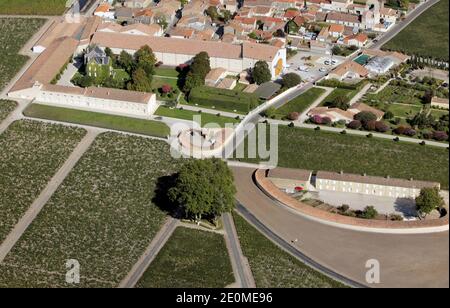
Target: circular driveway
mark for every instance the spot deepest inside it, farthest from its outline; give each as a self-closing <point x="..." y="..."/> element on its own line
<point x="419" y="260"/>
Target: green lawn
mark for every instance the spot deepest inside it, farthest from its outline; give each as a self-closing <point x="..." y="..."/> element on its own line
<point x="166" y="72"/>
<point x="132" y="125"/>
<point x="427" y="35"/>
<point x="223" y="99"/>
<point x="239" y="87"/>
<point x="300" y="103"/>
<point x="158" y="82"/>
<point x="34" y="7"/>
<point x="188" y="115"/>
<point x="274" y="268"/>
<point x="438" y="113"/>
<point x="338" y="92"/>
<point x="6" y="107"/>
<point x="14" y="33"/>
<point x="190" y="259"/>
<point x="403" y="111"/>
<point x="319" y="150"/>
<point x="30" y="154"/>
<point x="104" y="214"/>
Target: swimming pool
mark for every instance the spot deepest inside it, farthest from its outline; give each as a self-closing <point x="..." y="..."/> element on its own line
<point x="362" y="59"/>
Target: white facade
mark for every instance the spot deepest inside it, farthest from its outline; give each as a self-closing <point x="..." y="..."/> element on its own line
<point x="367" y="189"/>
<point x="97" y="104"/>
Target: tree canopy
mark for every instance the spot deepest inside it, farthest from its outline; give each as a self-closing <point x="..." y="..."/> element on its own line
<point x="428" y="200"/>
<point x="204" y="189"/>
<point x="290" y="80"/>
<point x="198" y="70"/>
<point x="261" y="72"/>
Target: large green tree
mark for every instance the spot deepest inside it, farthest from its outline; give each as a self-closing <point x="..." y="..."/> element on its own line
<point x="290" y="80"/>
<point x="198" y="70"/>
<point x="261" y="72"/>
<point x="141" y="82"/>
<point x="125" y="60"/>
<point x="145" y="59"/>
<point x="428" y="200"/>
<point x="204" y="188"/>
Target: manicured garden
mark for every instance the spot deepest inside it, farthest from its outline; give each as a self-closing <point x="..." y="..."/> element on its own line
<point x="121" y="123"/>
<point x="104" y="215"/>
<point x="6" y="107"/>
<point x="190" y="259"/>
<point x="338" y="92"/>
<point x="30" y="154"/>
<point x="188" y="115"/>
<point x="274" y="268"/>
<point x="35" y="7"/>
<point x="14" y="33"/>
<point x="427" y="36"/>
<point x="300" y="103"/>
<point x="223" y="99"/>
<point x="319" y="150"/>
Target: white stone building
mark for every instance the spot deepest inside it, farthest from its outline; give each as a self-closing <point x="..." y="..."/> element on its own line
<point x="370" y="185"/>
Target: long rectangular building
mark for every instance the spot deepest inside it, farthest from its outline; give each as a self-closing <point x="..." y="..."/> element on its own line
<point x="370" y="185"/>
<point x="175" y="51"/>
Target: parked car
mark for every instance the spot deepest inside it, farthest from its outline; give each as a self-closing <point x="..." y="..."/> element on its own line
<point x="327" y="62"/>
<point x="322" y="69"/>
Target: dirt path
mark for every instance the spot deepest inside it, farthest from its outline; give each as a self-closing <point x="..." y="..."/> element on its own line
<point x="150" y="253"/>
<point x="239" y="262"/>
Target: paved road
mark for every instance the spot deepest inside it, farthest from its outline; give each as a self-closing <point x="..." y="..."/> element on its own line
<point x="401" y="25"/>
<point x="240" y="264"/>
<point x="45" y="195"/>
<point x="406" y="260"/>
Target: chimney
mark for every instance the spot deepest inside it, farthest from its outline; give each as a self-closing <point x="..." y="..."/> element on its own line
<point x="341" y="172"/>
<point x="388" y="176"/>
<point x="411" y="179"/>
<point x="364" y="174"/>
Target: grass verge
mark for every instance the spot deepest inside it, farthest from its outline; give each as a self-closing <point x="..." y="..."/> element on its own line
<point x="108" y="121"/>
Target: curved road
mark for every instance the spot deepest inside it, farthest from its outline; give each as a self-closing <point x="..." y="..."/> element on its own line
<point x="405" y="260"/>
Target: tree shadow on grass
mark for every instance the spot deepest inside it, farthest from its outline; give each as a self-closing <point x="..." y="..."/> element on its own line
<point x="161" y="198"/>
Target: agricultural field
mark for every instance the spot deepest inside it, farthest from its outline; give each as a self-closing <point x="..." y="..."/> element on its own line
<point x="273" y="267"/>
<point x="300" y="103"/>
<point x="30" y="154"/>
<point x="35" y="7"/>
<point x="6" y="107"/>
<point x="188" y="115"/>
<point x="14" y="33"/>
<point x="104" y="215"/>
<point x="319" y="150"/>
<point x="427" y="36"/>
<point x="121" y="123"/>
<point x="190" y="259"/>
